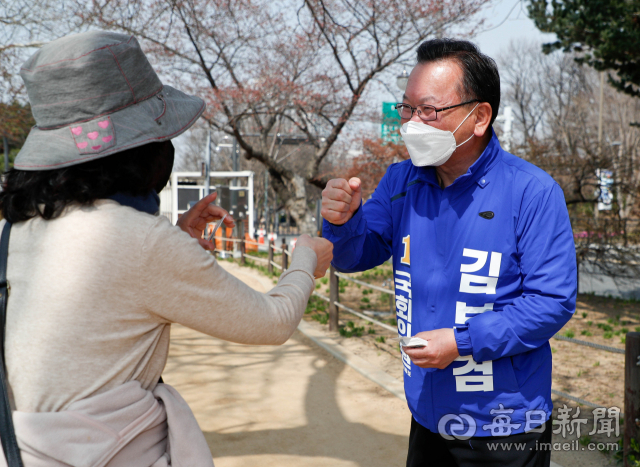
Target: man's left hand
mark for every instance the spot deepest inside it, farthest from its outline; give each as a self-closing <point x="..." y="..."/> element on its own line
<point x="441" y="351"/>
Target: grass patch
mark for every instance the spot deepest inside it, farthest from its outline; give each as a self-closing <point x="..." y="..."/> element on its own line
<point x="351" y="330"/>
<point x="569" y="333"/>
<point x="380" y="339"/>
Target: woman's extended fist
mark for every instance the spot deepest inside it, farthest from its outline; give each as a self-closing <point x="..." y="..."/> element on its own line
<point x="323" y="249"/>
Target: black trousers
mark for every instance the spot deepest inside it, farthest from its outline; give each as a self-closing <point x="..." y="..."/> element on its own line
<point x="428" y="449"/>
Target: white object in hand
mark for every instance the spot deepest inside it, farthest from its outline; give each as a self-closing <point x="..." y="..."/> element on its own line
<point x="216" y="227"/>
<point x="413" y="342"/>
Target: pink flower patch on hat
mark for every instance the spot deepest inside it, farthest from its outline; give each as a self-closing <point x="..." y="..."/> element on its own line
<point x="95" y="136"/>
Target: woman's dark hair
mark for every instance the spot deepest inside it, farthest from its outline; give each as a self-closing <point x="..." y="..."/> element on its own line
<point x="480" y="80"/>
<point x="46" y="193"/>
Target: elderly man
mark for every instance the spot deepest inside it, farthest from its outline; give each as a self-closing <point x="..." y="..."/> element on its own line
<point x="484" y="266"/>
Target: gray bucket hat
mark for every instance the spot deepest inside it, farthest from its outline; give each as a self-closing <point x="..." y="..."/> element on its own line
<point x="95" y="94"/>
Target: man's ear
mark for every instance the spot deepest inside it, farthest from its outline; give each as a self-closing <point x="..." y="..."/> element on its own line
<point x="483" y="119"/>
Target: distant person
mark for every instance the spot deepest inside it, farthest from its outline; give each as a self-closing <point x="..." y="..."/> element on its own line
<point x="97" y="279"/>
<point x="484" y="266"/>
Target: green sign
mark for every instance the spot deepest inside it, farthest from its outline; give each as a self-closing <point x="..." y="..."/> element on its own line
<point x="390" y="129"/>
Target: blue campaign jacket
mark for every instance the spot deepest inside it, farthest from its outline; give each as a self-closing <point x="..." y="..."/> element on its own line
<point x="491" y="255"/>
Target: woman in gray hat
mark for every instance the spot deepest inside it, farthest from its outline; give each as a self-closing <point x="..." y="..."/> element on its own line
<point x="96" y="280"/>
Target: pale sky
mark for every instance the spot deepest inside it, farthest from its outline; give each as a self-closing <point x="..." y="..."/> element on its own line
<point x="507" y="20"/>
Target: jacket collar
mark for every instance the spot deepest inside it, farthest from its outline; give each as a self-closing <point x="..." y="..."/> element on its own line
<point x="476" y="173"/>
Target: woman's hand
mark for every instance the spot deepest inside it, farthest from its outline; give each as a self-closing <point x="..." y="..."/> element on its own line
<point x="195" y="220"/>
<point x="323" y="249"/>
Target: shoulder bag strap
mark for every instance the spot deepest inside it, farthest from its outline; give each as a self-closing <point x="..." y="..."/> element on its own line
<point x="7" y="433"/>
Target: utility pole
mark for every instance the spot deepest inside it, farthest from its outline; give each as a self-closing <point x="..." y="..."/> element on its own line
<point x="507" y="123"/>
<point x="207" y="166"/>
<point x="5" y="143"/>
<point x="266" y="200"/>
<point x="234" y="160"/>
<point x="600" y="112"/>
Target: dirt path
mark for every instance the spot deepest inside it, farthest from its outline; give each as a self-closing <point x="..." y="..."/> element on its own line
<point x="292" y="405"/>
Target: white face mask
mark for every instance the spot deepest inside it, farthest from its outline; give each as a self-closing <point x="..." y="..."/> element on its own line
<point x="429" y="146"/>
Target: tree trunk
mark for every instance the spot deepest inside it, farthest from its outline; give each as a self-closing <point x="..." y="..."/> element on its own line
<point x="297" y="205"/>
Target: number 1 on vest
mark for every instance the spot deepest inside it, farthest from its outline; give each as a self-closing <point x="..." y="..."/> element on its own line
<point x="406" y="258"/>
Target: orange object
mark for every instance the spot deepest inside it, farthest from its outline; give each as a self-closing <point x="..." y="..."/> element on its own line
<point x="250" y="244"/>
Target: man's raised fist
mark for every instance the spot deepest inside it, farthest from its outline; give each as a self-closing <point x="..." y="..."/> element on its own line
<point x="340" y="199"/>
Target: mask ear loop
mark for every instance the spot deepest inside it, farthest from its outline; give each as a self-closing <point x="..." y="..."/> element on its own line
<point x="465" y="119"/>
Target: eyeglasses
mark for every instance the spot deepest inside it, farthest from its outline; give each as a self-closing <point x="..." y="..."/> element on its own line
<point x="427" y="113"/>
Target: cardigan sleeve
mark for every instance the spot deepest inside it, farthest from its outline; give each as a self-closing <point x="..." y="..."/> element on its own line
<point x="182" y="283"/>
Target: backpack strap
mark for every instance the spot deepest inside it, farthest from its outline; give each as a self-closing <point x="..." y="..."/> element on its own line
<point x="7" y="432"/>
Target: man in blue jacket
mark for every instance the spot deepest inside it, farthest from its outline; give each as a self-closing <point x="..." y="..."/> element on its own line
<point x="484" y="266"/>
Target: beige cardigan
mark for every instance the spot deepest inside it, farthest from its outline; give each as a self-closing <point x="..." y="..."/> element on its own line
<point x="94" y="292"/>
<point x="126" y="426"/>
